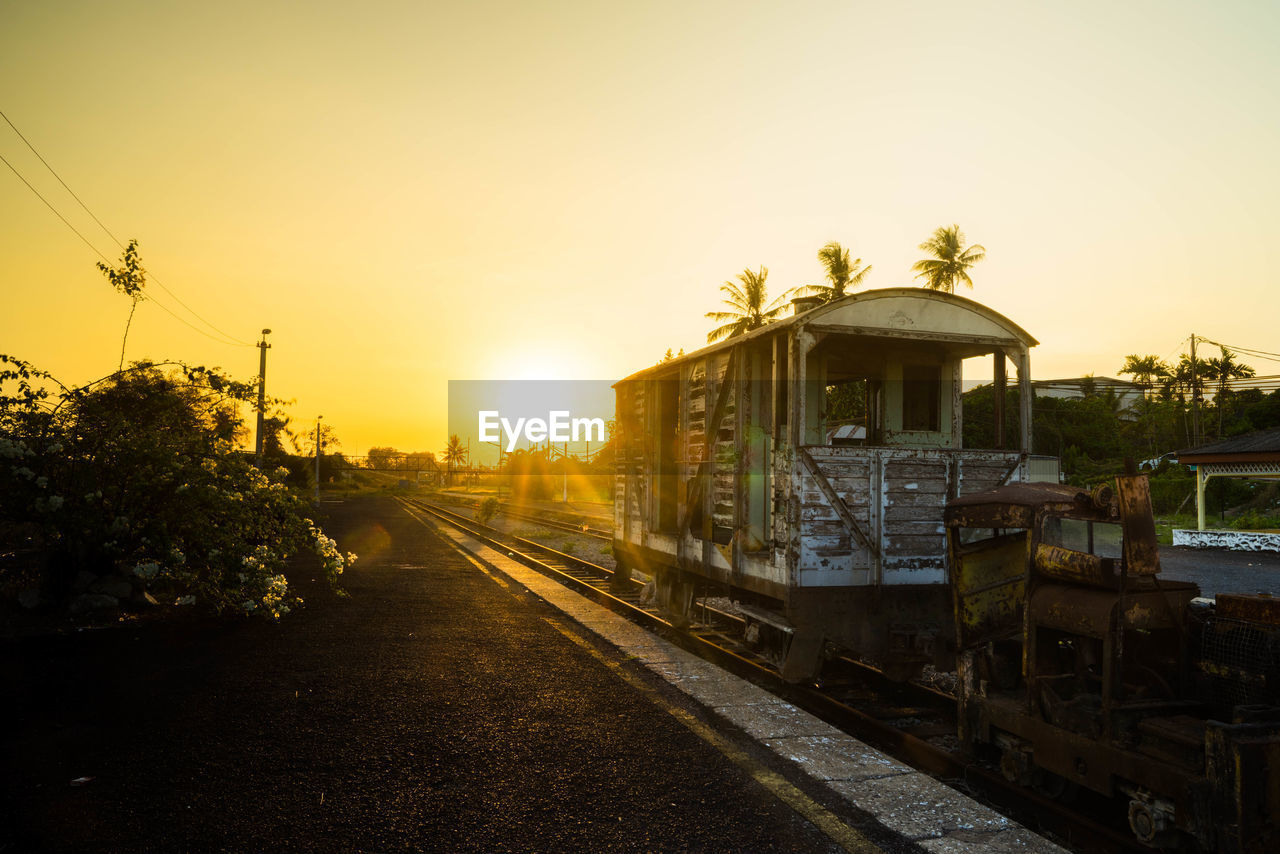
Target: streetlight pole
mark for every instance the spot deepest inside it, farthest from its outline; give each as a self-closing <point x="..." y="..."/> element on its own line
<point x="318" y="417"/>
<point x="263" y="347"/>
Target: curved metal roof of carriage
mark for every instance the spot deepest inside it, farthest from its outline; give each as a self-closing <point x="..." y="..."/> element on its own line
<point x="909" y="313"/>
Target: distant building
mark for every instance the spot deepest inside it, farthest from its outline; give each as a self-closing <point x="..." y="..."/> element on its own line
<point x="1127" y="393"/>
<point x="1253" y="455"/>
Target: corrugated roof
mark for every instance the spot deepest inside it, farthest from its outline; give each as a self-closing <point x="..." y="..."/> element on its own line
<point x="1261" y="442"/>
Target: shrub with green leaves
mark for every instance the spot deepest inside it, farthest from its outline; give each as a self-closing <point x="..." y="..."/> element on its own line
<point x="1254" y="520"/>
<point x="139" y="475"/>
<point x="487" y="510"/>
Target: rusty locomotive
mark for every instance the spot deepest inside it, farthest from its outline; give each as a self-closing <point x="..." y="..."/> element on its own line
<point x="1081" y="668"/>
<point x="813" y="470"/>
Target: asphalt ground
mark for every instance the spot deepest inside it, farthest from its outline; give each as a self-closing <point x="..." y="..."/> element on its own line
<point x="432" y="709"/>
<point x="1222" y="570"/>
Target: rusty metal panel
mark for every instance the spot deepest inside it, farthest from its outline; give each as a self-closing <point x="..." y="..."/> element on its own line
<point x="1074" y="566"/>
<point x="1013" y="505"/>
<point x="1254" y="609"/>
<point x="1241" y="767"/>
<point x="994" y="515"/>
<point x="1089" y="612"/>
<point x="1141" y="551"/>
<point x="989" y="581"/>
<point x="1073" y="609"/>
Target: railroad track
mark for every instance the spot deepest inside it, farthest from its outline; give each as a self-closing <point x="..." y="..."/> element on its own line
<point x="583" y="576"/>
<point x="895" y="718"/>
<point x="582" y="527"/>
<point x="560" y="524"/>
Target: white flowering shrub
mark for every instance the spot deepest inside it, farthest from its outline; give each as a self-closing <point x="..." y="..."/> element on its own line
<point x="140" y="476"/>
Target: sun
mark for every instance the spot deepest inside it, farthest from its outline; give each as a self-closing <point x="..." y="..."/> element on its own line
<point x="537" y="362"/>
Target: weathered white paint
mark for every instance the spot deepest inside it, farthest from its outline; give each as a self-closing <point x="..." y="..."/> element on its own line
<point x="835" y="577"/>
<point x="1244" y="541"/>
<point x="905" y="573"/>
<point x="902" y="309"/>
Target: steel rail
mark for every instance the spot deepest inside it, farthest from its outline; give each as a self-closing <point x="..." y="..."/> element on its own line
<point x="468" y="525"/>
<point x="560" y="524"/>
<point x="531" y="515"/>
<point x="474" y="529"/>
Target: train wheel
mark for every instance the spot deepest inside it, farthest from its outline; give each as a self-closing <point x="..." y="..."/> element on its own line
<point x="621" y="581"/>
<point x="1051" y="786"/>
<point x="675" y="597"/>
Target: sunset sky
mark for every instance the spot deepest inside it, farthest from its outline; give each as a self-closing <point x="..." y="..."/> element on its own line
<point x="411" y="192"/>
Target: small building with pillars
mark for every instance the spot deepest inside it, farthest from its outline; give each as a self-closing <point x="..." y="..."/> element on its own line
<point x="1254" y="456"/>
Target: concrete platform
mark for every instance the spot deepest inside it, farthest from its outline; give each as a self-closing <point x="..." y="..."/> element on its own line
<point x="917" y="807"/>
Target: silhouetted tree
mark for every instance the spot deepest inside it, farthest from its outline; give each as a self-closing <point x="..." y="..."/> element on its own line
<point x="381" y="458"/>
<point x="1145" y="370"/>
<point x="748" y="304"/>
<point x="950" y="262"/>
<point x="842" y="273"/>
<point x="1222" y="370"/>
<point x="454" y="452"/>
<point x="129" y="279"/>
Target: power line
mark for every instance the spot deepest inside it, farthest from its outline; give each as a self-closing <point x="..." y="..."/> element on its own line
<point x="59" y="177"/>
<point x="55" y="211"/>
<point x="98" y="252"/>
<point x="1246" y="351"/>
<point x="154" y="278"/>
<point x="1177" y="348"/>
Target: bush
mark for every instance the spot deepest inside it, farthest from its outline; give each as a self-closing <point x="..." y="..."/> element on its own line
<point x="487" y="510"/>
<point x="1252" y="520"/>
<point x="1170" y="486"/>
<point x="139" y="476"/>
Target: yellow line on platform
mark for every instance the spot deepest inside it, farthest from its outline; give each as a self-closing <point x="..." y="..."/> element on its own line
<point x="819" y="816"/>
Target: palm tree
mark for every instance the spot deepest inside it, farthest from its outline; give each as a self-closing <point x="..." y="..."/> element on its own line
<point x="454" y="452"/>
<point x="748" y="302"/>
<point x="1222" y="370"/>
<point x="950" y="262"/>
<point x="841" y="273"/>
<point x="1189" y="377"/>
<point x="1145" y="370"/>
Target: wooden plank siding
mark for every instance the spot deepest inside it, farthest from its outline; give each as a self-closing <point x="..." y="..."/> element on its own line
<point x="895" y="494"/>
<point x="632" y="478"/>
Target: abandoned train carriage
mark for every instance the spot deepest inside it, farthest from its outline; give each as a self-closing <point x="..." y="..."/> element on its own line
<point x="804" y="468"/>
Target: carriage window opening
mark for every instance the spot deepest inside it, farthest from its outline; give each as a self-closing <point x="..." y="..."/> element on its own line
<point x="921" y="397"/>
<point x="846" y="413"/>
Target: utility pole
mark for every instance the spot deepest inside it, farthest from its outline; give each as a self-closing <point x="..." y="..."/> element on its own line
<point x="318" y="417"/>
<point x="1195" y="396"/>
<point x="263" y="347"/>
